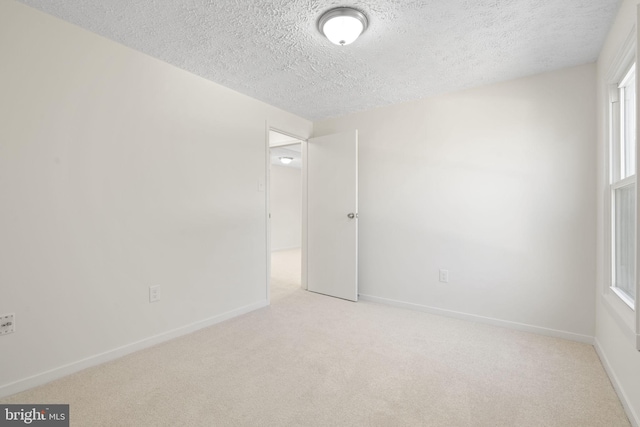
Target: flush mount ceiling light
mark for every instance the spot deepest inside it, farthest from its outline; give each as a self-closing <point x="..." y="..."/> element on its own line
<point x="342" y="25"/>
<point x="286" y="160"/>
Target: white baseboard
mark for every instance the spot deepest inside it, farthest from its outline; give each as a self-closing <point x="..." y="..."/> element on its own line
<point x="633" y="417"/>
<point x="480" y="319"/>
<point x="62" y="371"/>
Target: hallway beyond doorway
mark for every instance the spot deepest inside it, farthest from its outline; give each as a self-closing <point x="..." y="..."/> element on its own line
<point x="285" y="273"/>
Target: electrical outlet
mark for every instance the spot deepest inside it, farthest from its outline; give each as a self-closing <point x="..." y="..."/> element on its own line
<point x="444" y="276"/>
<point x="154" y="293"/>
<point x="7" y="324"/>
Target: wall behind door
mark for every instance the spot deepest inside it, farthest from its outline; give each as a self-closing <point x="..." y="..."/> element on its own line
<point x="286" y="207"/>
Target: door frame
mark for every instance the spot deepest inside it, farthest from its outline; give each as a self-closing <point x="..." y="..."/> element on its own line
<point x="303" y="243"/>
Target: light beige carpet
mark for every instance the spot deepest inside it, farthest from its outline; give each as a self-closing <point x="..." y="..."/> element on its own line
<point x="311" y="360"/>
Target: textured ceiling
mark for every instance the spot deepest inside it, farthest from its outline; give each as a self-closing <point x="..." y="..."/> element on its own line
<point x="272" y="51"/>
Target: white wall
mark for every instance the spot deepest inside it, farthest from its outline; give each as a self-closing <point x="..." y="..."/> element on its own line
<point x="114" y="176"/>
<point x="286" y="207"/>
<point x="615" y="334"/>
<point x="494" y="184"/>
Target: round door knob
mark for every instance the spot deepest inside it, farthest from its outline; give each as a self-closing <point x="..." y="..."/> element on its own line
<point x="351" y="215"/>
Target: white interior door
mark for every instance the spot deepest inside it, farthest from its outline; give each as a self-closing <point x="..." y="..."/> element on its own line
<point x="332" y="215"/>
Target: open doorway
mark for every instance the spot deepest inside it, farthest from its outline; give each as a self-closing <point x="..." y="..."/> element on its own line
<point x="285" y="204"/>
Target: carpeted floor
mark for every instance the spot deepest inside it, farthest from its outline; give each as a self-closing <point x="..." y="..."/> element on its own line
<point x="311" y="360"/>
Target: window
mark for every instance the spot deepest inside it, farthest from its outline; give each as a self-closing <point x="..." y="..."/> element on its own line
<point x="623" y="186"/>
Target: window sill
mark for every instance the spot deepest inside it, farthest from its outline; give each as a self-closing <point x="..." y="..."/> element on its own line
<point x="624" y="297"/>
<point x="621" y="312"/>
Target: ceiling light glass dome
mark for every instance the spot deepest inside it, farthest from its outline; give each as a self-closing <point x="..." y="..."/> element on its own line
<point x="343" y="25"/>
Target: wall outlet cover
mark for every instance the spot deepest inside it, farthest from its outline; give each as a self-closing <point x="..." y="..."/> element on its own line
<point x="7" y="324"/>
<point x="154" y="293"/>
<point x="444" y="276"/>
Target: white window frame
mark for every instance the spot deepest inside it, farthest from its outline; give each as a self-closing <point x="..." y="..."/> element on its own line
<point x="627" y="318"/>
<point x="619" y="176"/>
